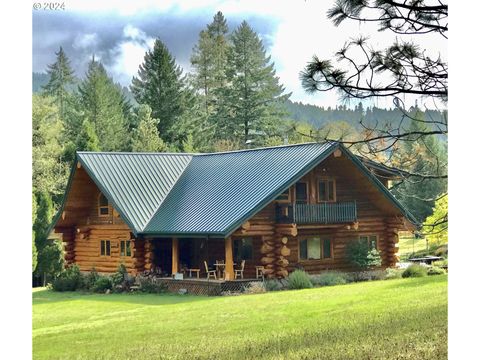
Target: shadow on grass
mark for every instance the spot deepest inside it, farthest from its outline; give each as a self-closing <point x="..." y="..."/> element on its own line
<point x="49" y="296"/>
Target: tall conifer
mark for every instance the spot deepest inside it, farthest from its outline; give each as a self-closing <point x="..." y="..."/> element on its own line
<point x="161" y="85"/>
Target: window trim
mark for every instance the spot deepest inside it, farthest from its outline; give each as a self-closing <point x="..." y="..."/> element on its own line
<point x="322" y="258"/>
<point x="307" y="191"/>
<point x="238" y="238"/>
<point x="130" y="247"/>
<point x="368" y="235"/>
<point x="327" y="180"/>
<point x="101" y="247"/>
<point x="100" y="207"/>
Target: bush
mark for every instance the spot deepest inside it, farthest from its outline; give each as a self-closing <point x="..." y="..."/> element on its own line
<point x="366" y="275"/>
<point x="440" y="263"/>
<point x="299" y="280"/>
<point x="69" y="280"/>
<point x="91" y="279"/>
<point x="102" y="284"/>
<point x="148" y="285"/>
<point x="255" y="288"/>
<point x="273" y="285"/>
<point x="434" y="270"/>
<point x="415" y="271"/>
<point x="120" y="280"/>
<point x="393" y="273"/>
<point x="329" y="278"/>
<point x="360" y="255"/>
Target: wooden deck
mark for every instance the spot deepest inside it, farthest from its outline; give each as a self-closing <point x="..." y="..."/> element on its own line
<point x="208" y="287"/>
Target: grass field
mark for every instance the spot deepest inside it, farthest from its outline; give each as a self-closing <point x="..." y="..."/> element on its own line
<point x="408" y="245"/>
<point x="394" y="319"/>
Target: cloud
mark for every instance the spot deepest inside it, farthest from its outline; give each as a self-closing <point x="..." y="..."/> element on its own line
<point x="128" y="54"/>
<point x="85" y="41"/>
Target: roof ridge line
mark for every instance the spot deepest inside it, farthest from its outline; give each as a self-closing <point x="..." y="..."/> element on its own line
<point x="202" y="154"/>
<point x="166" y="195"/>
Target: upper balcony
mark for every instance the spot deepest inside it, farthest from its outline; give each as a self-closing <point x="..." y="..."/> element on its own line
<point x="323" y="213"/>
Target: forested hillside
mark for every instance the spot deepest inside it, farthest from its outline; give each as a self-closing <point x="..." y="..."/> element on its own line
<point x="313" y="115"/>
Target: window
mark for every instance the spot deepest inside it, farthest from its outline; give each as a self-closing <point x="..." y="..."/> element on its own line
<point x="125" y="249"/>
<point x="103" y="208"/>
<point x="301" y="193"/>
<point x="326" y="190"/>
<point x="371" y="240"/>
<point x="315" y="248"/>
<point x="242" y="249"/>
<point x="284" y="196"/>
<point x="105" y="247"/>
<point x="327" y="248"/>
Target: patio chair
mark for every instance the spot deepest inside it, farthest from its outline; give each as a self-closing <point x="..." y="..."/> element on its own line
<point x="210" y="272"/>
<point x="240" y="271"/>
<point x="259" y="270"/>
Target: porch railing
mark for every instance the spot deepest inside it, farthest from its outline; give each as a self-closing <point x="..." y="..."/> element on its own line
<point x="325" y="213"/>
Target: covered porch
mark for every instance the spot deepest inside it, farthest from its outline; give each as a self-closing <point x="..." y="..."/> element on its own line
<point x="201" y="259"/>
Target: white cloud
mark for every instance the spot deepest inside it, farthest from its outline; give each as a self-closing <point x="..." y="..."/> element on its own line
<point x="302" y="31"/>
<point x="86" y="41"/>
<point x="128" y="54"/>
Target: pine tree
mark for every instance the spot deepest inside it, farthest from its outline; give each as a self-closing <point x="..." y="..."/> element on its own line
<point x="427" y="156"/>
<point x="254" y="103"/>
<point x="103" y="104"/>
<point x="87" y="139"/>
<point x="145" y="137"/>
<point x="209" y="61"/>
<point x="49" y="172"/>
<point x="161" y="86"/>
<point x="61" y="77"/>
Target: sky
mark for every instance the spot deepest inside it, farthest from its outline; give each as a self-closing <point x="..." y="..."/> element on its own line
<point x="119" y="32"/>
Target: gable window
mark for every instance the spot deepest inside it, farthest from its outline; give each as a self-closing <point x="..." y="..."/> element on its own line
<point x="315" y="248"/>
<point x="125" y="248"/>
<point x="103" y="208"/>
<point x="371" y="240"/>
<point x="301" y="193"/>
<point x="326" y="190"/>
<point x="105" y="247"/>
<point x="284" y="196"/>
<point x="243" y="249"/>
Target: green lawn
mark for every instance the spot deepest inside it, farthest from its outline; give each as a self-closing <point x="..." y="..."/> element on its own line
<point x="394" y="319"/>
<point x="408" y="245"/>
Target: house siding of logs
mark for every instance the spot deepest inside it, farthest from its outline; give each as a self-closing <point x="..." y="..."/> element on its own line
<point x="275" y="245"/>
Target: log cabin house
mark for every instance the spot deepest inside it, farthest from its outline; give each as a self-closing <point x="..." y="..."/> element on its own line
<point x="279" y="207"/>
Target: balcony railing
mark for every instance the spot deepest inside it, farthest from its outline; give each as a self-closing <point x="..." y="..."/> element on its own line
<point x="324" y="213"/>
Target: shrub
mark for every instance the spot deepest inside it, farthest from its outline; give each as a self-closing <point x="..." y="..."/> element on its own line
<point x="90" y="279"/>
<point x="329" y="278"/>
<point x="273" y="285"/>
<point x="415" y="271"/>
<point x="299" y="280"/>
<point x="255" y="288"/>
<point x="68" y="280"/>
<point x="440" y="263"/>
<point x="393" y="273"/>
<point x="366" y="275"/>
<point x="148" y="285"/>
<point x="360" y="255"/>
<point x="120" y="279"/>
<point x="435" y="270"/>
<point x="102" y="284"/>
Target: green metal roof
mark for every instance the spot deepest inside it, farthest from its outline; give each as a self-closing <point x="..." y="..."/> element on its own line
<point x="204" y="194"/>
<point x="135" y="183"/>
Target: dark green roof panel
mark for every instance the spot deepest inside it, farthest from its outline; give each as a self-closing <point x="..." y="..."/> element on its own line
<point x="217" y="192"/>
<point x="136" y="183"/>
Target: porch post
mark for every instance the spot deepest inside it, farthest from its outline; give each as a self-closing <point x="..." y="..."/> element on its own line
<point x="228" y="259"/>
<point x="174" y="255"/>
